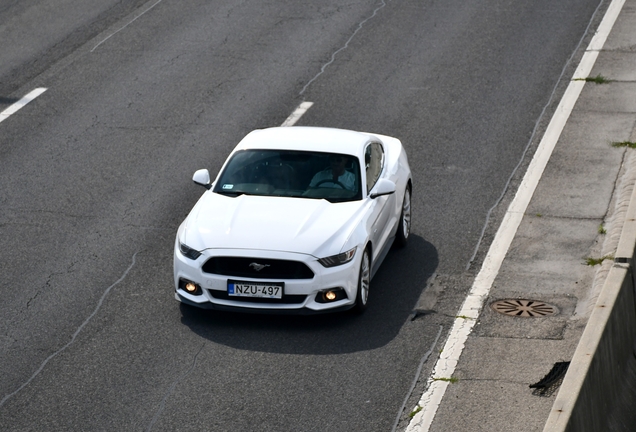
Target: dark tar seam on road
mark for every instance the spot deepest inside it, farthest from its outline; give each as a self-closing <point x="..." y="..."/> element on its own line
<point x="417" y="377"/>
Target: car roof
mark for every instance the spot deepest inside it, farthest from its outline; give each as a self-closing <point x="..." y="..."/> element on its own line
<point x="307" y="138"/>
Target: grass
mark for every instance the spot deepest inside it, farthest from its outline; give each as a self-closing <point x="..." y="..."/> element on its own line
<point x="451" y="380"/>
<point x="598" y="79"/>
<point x="630" y="144"/>
<point x="601" y="229"/>
<point x="415" y="411"/>
<point x="595" y="261"/>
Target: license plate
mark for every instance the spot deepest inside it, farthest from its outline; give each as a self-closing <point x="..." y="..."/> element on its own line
<point x="255" y="289"/>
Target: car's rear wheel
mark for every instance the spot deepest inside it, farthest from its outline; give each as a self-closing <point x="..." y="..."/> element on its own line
<point x="364" y="281"/>
<point x="404" y="227"/>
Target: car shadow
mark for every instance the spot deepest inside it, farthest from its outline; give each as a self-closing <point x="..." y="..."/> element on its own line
<point x="395" y="290"/>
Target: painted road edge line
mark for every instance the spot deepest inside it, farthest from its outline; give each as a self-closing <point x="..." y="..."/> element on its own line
<point x="297" y="114"/>
<point x="21" y="103"/>
<point x="469" y="312"/>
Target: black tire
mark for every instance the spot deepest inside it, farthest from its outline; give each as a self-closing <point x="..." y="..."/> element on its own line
<point x="404" y="226"/>
<point x="364" y="282"/>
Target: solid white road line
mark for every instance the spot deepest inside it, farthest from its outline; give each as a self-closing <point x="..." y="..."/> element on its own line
<point x="22" y="102"/>
<point x="469" y="312"/>
<point x="297" y="114"/>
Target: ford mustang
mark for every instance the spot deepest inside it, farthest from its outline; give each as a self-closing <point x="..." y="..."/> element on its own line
<point x="298" y="220"/>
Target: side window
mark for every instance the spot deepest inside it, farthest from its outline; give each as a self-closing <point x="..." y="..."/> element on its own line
<point x="374" y="162"/>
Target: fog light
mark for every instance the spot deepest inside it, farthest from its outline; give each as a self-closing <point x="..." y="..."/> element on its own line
<point x="330" y="295"/>
<point x="189" y="287"/>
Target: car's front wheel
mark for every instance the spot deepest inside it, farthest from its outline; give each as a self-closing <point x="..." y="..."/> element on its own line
<point x="404" y="227"/>
<point x="364" y="281"/>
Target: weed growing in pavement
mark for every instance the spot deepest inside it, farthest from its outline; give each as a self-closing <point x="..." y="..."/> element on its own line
<point x="595" y="261"/>
<point x="415" y="411"/>
<point x="451" y="380"/>
<point x="630" y="144"/>
<point x="601" y="229"/>
<point x="598" y="79"/>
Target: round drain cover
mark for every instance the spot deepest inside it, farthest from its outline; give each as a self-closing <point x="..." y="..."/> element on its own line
<point x="524" y="308"/>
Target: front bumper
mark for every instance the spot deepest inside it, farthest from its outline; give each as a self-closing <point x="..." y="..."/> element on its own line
<point x="303" y="295"/>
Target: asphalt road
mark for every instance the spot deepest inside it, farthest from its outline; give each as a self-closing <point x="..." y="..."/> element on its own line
<point x="96" y="177"/>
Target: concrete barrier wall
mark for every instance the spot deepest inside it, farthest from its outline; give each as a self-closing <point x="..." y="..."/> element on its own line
<point x="605" y="359"/>
<point x="598" y="392"/>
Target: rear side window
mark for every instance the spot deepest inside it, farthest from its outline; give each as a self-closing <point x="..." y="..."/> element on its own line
<point x="374" y="163"/>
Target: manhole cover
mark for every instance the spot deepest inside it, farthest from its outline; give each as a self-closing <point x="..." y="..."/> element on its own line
<point x="524" y="308"/>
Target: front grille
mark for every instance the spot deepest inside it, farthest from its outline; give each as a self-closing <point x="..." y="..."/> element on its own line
<point x="257" y="268"/>
<point x="287" y="298"/>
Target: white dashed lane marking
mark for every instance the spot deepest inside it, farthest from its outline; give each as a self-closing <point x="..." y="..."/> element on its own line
<point x="21" y="103"/>
<point x="297" y="114"/>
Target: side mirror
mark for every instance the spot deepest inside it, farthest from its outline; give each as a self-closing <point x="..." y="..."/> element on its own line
<point x="382" y="187"/>
<point x="202" y="177"/>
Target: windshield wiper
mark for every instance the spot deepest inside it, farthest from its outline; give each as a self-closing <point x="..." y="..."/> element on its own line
<point x="232" y="194"/>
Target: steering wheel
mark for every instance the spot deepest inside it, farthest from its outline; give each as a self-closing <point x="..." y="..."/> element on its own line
<point x="336" y="182"/>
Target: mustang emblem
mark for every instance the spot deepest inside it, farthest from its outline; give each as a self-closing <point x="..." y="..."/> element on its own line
<point x="258" y="267"/>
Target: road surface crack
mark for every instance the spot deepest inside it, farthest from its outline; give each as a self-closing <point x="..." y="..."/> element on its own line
<point x="162" y="405"/>
<point x="77" y="332"/>
<point x="345" y="46"/>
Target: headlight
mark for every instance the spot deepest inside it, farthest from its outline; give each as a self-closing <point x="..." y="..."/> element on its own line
<point x="188" y="252"/>
<point x="336" y="260"/>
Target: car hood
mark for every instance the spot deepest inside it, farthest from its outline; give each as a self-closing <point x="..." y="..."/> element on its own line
<point x="309" y="226"/>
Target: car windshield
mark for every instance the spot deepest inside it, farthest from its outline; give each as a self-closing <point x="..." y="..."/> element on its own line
<point x="301" y="174"/>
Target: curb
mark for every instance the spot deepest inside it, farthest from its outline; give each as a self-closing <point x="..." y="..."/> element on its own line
<point x="594" y="385"/>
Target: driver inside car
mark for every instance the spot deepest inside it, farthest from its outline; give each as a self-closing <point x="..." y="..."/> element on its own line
<point x="336" y="176"/>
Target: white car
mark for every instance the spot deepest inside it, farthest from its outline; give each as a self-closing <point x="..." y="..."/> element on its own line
<point x="298" y="221"/>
